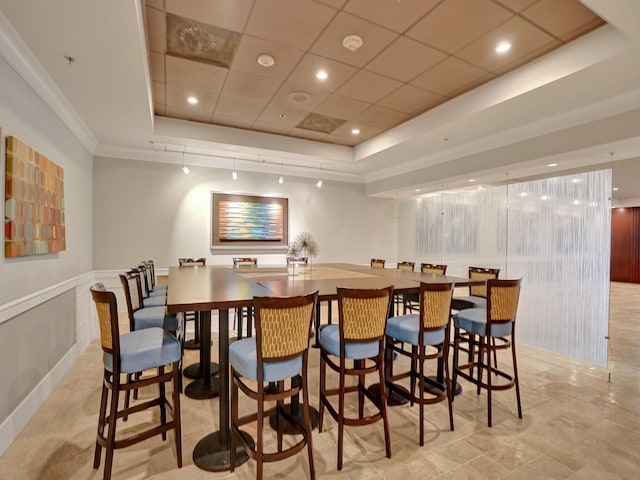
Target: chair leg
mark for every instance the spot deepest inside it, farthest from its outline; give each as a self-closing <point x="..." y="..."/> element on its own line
<point x="420" y="351"/>
<point x="307" y="424"/>
<point x="163" y="403"/>
<point x="481" y="350"/>
<point x="260" y="434"/>
<point x="495" y="352"/>
<point x="486" y="347"/>
<point x="361" y="383"/>
<point x="234" y="419"/>
<point x="176" y="413"/>
<point x="456" y="351"/>
<point x="111" y="429"/>
<point x="127" y="396"/>
<point x="101" y="416"/>
<point x="412" y="373"/>
<point x="341" y="415"/>
<point x="383" y="407"/>
<point x="515" y="376"/>
<point x="447" y="379"/>
<point x="279" y="417"/>
<point x="323" y="373"/>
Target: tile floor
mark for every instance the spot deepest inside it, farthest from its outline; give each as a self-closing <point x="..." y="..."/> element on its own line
<point x="580" y="422"/>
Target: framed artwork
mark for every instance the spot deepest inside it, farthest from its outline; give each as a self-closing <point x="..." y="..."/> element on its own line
<point x="249" y="221"/>
<point x="34" y="202"/>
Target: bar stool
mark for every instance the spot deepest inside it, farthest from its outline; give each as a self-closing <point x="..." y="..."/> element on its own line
<point x="194" y="343"/>
<point x="477" y="297"/>
<point x="145" y="317"/>
<point x="127" y="354"/>
<point x="399" y="298"/>
<point x="148" y="300"/>
<point x="426" y="332"/>
<point x="146" y="269"/>
<point x="278" y="353"/>
<point x="412" y="300"/>
<point x="359" y="337"/>
<point x="498" y="319"/>
<point x="241" y="313"/>
<point x="154" y="288"/>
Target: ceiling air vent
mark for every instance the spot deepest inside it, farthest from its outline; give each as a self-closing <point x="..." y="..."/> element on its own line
<point x="198" y="41"/>
<point x="320" y="123"/>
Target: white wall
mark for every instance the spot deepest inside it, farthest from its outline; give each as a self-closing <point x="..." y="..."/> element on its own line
<point x="147" y="210"/>
<point x="44" y="299"/>
<point x="25" y="116"/>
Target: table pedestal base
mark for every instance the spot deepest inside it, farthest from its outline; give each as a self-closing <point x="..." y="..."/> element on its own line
<point x="393" y="399"/>
<point x="192" y="344"/>
<point x="195" y="370"/>
<point x="214" y="455"/>
<point x="201" y="390"/>
<point x="289" y="429"/>
<point x="432" y="389"/>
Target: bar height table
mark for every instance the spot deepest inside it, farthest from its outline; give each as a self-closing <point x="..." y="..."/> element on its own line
<point x="208" y="288"/>
<point x="204" y="289"/>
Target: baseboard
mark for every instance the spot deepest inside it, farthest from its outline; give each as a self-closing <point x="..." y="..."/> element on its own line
<point x="18" y="419"/>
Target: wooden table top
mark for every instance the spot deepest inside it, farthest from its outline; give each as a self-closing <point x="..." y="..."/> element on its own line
<point x="214" y="287"/>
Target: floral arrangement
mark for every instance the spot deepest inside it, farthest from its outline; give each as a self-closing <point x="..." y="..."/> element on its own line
<point x="304" y="244"/>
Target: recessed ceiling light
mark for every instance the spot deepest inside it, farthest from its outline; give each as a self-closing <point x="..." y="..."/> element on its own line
<point x="615" y="189"/>
<point x="322" y="75"/>
<point x="192" y="100"/>
<point x="552" y="165"/>
<point x="266" y="60"/>
<point x="355" y="131"/>
<point x="472" y="180"/>
<point x="417" y="189"/>
<point x="503" y="47"/>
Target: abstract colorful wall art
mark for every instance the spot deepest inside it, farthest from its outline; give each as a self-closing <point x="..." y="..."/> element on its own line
<point x="34" y="202"/>
<point x="249" y="221"/>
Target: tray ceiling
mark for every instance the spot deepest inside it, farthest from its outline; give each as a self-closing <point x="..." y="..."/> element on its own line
<point x="415" y="55"/>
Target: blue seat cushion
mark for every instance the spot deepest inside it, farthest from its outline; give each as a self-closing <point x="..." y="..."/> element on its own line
<point x="146" y="348"/>
<point x="330" y="341"/>
<point x="158" y="293"/>
<point x="160" y="288"/>
<point x="471" y="300"/>
<point x="155" y="317"/>
<point x="158" y="301"/>
<point x="474" y="320"/>
<point x="406" y="328"/>
<point x="243" y="357"/>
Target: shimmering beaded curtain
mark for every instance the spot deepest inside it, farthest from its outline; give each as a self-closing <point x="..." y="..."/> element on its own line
<point x="555" y="233"/>
<point x="463" y="229"/>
